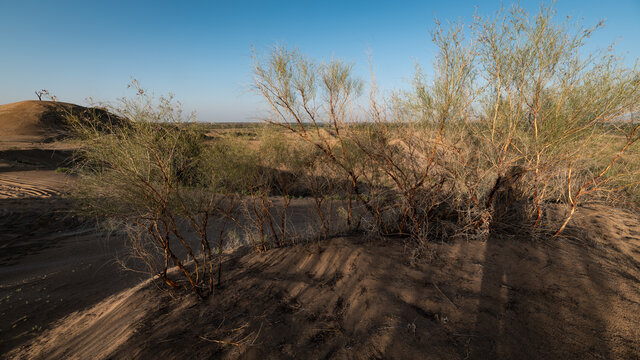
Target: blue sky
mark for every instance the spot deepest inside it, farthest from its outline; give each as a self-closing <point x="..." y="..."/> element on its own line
<point x="201" y="50"/>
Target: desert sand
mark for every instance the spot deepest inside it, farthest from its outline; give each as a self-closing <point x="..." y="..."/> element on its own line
<point x="52" y="263"/>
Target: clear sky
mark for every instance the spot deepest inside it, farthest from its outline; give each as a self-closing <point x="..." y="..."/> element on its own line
<point x="201" y="50"/>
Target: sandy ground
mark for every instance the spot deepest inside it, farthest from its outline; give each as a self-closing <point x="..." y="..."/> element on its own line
<point x="51" y="266"/>
<point x="348" y="298"/>
<point x="51" y="262"/>
<point x="62" y="294"/>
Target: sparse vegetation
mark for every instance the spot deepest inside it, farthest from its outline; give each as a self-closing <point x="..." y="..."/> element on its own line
<point x="153" y="176"/>
<point x="517" y="118"/>
<point x="513" y="120"/>
<point x="46" y="94"/>
<point x="478" y="214"/>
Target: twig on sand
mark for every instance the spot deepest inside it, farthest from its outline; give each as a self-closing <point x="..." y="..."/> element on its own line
<point x="445" y="296"/>
<point x="244" y="341"/>
<point x="239" y="343"/>
<point x="17" y="321"/>
<point x="257" y="335"/>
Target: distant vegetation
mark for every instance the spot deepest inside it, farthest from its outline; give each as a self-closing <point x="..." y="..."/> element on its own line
<point x="46" y="94"/>
<point x="516" y="118"/>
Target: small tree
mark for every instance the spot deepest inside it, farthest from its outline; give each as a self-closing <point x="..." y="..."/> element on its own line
<point x="153" y="176"/>
<point x="46" y="93"/>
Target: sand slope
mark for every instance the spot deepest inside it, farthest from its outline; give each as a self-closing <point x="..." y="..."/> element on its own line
<point x="42" y="120"/>
<point x="51" y="265"/>
<point x="347" y="298"/>
<point x="93" y="333"/>
<point x="30" y="118"/>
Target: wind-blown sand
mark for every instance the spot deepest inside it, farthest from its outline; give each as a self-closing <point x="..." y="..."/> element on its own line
<point x="30" y="184"/>
<point x="350" y="298"/>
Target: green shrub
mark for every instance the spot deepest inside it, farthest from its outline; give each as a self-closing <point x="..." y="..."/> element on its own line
<point x="157" y="178"/>
<point x="516" y="116"/>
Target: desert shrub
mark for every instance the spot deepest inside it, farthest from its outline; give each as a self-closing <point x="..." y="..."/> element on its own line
<point x="156" y="178"/>
<point x="557" y="114"/>
<point x="236" y="165"/>
<point x="516" y="116"/>
<point x="312" y="102"/>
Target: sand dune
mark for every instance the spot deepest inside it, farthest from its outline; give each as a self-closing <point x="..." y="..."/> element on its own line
<point x="41" y="120"/>
<point x="574" y="298"/>
<point x="36" y="119"/>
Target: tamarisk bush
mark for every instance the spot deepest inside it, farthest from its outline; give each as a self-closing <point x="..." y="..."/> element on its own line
<point x="517" y="116"/>
<point x="153" y="175"/>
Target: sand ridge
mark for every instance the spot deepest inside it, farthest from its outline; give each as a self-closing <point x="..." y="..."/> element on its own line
<point x="30" y="119"/>
<point x="351" y="298"/>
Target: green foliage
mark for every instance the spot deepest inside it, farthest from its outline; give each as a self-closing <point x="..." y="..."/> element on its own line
<point x="236" y="167"/>
<point x="516" y="116"/>
<point x="64" y="170"/>
<point x="156" y="176"/>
